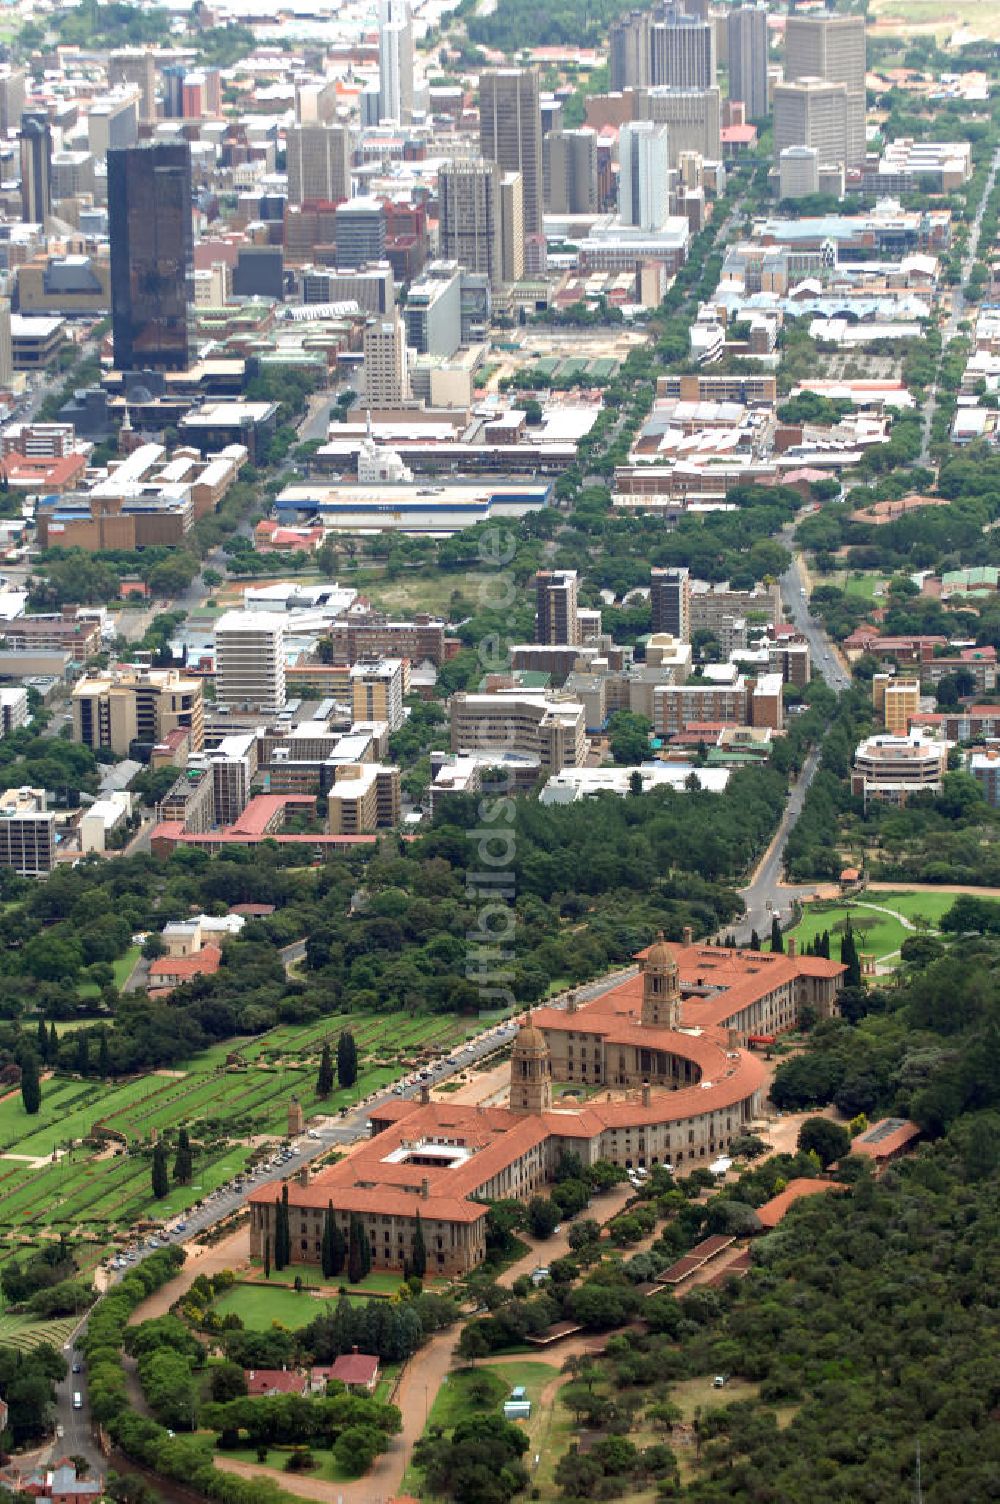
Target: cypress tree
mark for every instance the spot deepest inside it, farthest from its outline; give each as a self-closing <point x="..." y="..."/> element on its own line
<point x="826" y="944"/>
<point x="338" y="1247"/>
<point x="324" y="1081"/>
<point x="347" y="1059"/>
<point x="418" y="1263"/>
<point x="286" y="1236"/>
<point x="279" y="1261"/>
<point x="53" y="1044"/>
<point x="777" y="939"/>
<point x="31" y="1087"/>
<point x="754" y="940"/>
<point x="82" y="1053"/>
<point x="267" y="1257"/>
<point x="43" y="1040"/>
<point x="160" y="1178"/>
<point x="355" y="1255"/>
<point x="183" y="1162"/>
<point x="326" y="1247"/>
<point x="104" y="1056"/>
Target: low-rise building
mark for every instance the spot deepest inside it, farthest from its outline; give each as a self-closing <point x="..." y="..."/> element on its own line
<point x="122" y="708"/>
<point x="538" y="724"/>
<point x="27" y="832"/>
<point x="365" y="797"/>
<point x="102" y="818"/>
<point x="894" y="768"/>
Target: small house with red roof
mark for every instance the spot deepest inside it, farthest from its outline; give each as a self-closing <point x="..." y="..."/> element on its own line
<point x="271" y="1381"/>
<point x="359" y="1371"/>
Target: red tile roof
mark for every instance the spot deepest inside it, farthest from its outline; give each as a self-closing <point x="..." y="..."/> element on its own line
<point x="884" y="1139"/>
<point x="775" y="1210"/>
<point x="355" y="1368"/>
<point x="274" y="1381"/>
<point x="204" y="963"/>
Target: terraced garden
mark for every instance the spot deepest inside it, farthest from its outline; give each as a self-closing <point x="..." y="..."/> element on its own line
<point x="51" y="1182"/>
<point x="24" y="1332"/>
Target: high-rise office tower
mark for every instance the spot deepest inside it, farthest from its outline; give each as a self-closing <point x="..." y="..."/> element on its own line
<point x="670" y="599"/>
<point x="629" y="51"/>
<point x="395" y="60"/>
<point x="152" y="255"/>
<point x="832" y="48"/>
<point x="6" y="350"/>
<point x="173" y="90"/>
<point x="747" y="39"/>
<point x="682" y="51"/>
<point x="35" y="137"/>
<point x="570" y="161"/>
<point x="469" y="216"/>
<point x="510" y="132"/>
<point x="812" y="112"/>
<point x="693" y="117"/>
<point x="386" y="370"/>
<point x="250" y="660"/>
<point x="359" y="231"/>
<point x="135" y="65"/>
<point x="643" y="186"/>
<point x="512" y="227"/>
<point x="319" y="163"/>
<point x="556" y="619"/>
<point x="11" y="99"/>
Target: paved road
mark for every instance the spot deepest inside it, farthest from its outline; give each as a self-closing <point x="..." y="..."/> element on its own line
<point x="950" y="328"/>
<point x="825" y="660"/>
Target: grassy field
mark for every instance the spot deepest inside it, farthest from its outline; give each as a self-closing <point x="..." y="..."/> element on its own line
<point x="429" y="591"/>
<point x="882" y="933"/>
<point x="327" y="1467"/>
<point x="940" y="17"/>
<point x="863" y="586"/>
<point x="260" y="1308"/>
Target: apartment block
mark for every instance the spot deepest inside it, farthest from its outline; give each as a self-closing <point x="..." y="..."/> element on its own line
<point x="670" y="599"/>
<point x="896" y="701"/>
<point x="250" y="660"/>
<point x="893" y="768"/>
<point x="556" y="615"/>
<point x="13" y="709"/>
<point x="128" y="708"/>
<point x="27" y="832"/>
<point x="377" y="690"/>
<point x="365" y="797"/>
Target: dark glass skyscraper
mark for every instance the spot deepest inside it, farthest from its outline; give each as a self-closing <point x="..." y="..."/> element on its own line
<point x="152" y="255"/>
<point x="35" y="137"/>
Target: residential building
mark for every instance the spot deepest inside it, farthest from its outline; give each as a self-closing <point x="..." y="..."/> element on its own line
<point x="670" y="599"/>
<point x="831" y="48"/>
<point x="152" y="257"/>
<point x="556" y="618"/>
<point x="510" y="133"/>
<point x="812" y="112"/>
<point x="13" y="708"/>
<point x="27" y="832"/>
<point x="233" y="767"/>
<point x="433" y="311"/>
<point x="250" y="660"/>
<point x="123" y="708"/>
<point x="896" y="701"/>
<point x="55" y="631"/>
<point x="364" y="797"/>
<point x="385" y="371"/>
<point x="643" y="181"/>
<point x="892" y="768"/>
<point x="746" y="27"/>
<point x="318" y="163"/>
<point x="102" y="818"/>
<point x="378" y="687"/>
<point x="985" y="769"/>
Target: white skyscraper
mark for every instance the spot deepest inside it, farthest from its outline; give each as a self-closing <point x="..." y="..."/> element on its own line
<point x="643" y="185"/>
<point x="395" y="60"/>
<point x="250" y="660"/>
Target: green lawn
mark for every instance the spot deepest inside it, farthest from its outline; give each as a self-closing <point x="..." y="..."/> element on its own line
<point x="327" y="1467"/>
<point x="863" y="586"/>
<point x="24" y="1332"/>
<point x="875" y="932"/>
<point x="258" y="1308"/>
<point x="122" y="969"/>
<point x="929" y="906"/>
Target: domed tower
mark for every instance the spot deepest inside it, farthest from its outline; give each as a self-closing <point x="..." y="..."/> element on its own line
<point x="530" y="1070"/>
<point x="661" y="988"/>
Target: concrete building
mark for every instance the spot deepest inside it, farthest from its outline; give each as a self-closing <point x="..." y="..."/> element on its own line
<point x="570" y="171"/>
<point x="985" y="769"/>
<point x="113" y="121"/>
<point x="364" y="797"/>
<point x="893" y="768"/>
<point x="798" y="171"/>
<point x="511" y="227"/>
<point x="670" y="599"/>
<point x="102" y="818"/>
<point x="27" y="832"/>
<point x="124" y="708"/>
<point x="433" y="311"/>
<point x="832" y="48"/>
<point x="693" y="118"/>
<point x="136" y="65"/>
<point x="746" y="33"/>
<point x="395" y="60"/>
<point x="510" y="133"/>
<point x="250" y="660"/>
<point x="629" y="51"/>
<point x="896" y="701"/>
<point x="359" y="231"/>
<point x="377" y="691"/>
<point x="13" y="709"/>
<point x="556" y="612"/>
<point x="35" y="142"/>
<point x="469" y="216"/>
<point x="318" y="163"/>
<point x="682" y="51"/>
<point x="643" y="181"/>
<point x="11" y="98"/>
<point x="385" y="371"/>
<point x="812" y="112"/>
<point x="534" y="723"/>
